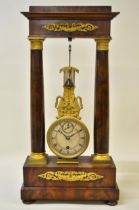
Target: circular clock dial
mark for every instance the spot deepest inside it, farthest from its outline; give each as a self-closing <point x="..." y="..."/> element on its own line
<point x="68" y="137"/>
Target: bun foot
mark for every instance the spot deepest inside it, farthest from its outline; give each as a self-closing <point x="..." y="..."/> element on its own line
<point x="28" y="201"/>
<point x="112" y="203"/>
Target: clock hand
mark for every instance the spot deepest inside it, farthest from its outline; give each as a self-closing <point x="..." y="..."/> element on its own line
<point x="62" y="133"/>
<point x="75" y="133"/>
<point x="67" y="137"/>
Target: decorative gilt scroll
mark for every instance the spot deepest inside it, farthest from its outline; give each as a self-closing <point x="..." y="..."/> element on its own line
<point x="70" y="176"/>
<point x="70" y="27"/>
<point x="69" y="105"/>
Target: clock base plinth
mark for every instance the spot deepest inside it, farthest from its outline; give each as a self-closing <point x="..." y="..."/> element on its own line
<point x="70" y="160"/>
<point x="36" y="188"/>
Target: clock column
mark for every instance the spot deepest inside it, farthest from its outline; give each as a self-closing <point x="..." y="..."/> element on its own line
<point x="37" y="102"/>
<point x="101" y="112"/>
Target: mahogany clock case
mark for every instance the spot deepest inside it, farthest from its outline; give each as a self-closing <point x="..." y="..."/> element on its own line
<point x="35" y="187"/>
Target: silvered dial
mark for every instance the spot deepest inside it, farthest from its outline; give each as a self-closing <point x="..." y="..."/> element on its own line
<point x="68" y="137"/>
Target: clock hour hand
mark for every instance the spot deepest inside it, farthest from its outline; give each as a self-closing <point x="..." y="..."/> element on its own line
<point x="67" y="137"/>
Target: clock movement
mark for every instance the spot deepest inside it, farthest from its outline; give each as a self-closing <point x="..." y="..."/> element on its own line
<point x="68" y="175"/>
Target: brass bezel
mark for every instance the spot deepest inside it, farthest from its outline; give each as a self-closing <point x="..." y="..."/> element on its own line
<point x="49" y="137"/>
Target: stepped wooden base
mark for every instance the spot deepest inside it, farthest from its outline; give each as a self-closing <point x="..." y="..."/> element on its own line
<point x="36" y="188"/>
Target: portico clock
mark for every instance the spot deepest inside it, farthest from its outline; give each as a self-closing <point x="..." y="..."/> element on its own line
<point x="70" y="173"/>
